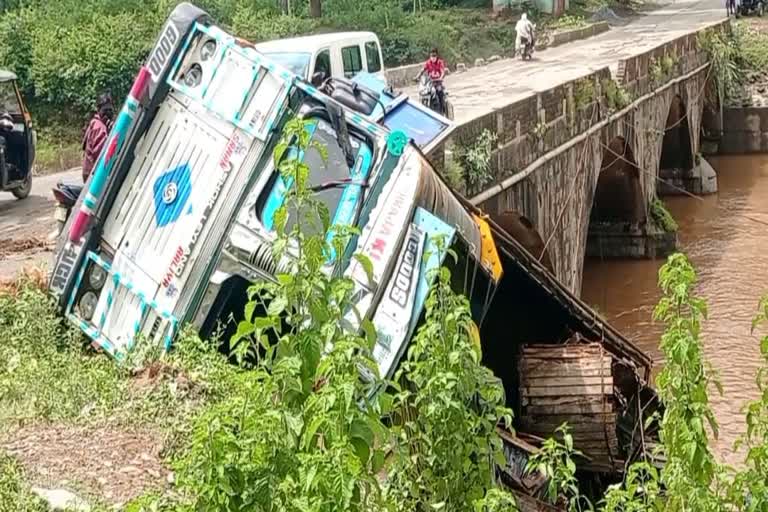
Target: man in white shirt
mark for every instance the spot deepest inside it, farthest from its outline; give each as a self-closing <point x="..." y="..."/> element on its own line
<point x="524" y="29"/>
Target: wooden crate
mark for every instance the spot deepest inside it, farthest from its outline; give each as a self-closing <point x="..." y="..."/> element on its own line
<point x="574" y="384"/>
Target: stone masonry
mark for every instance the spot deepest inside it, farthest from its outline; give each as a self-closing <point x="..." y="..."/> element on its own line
<point x="594" y="139"/>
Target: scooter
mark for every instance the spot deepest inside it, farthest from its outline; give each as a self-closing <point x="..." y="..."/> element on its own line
<point x="527" y="51"/>
<point x="66" y="196"/>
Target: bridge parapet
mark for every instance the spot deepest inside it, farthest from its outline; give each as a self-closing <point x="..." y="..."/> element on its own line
<point x="645" y="72"/>
<point x="529" y="128"/>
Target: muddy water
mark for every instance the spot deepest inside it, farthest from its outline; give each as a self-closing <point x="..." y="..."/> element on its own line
<point x="726" y="237"/>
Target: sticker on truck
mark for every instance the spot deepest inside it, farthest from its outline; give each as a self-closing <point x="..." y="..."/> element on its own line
<point x="393" y="316"/>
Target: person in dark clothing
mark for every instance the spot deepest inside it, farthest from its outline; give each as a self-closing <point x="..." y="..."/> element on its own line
<point x="96" y="133"/>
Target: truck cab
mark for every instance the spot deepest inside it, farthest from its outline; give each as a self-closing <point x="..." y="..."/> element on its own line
<point x="177" y="219"/>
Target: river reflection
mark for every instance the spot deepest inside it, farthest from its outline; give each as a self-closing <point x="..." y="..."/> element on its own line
<point x="726" y="237"/>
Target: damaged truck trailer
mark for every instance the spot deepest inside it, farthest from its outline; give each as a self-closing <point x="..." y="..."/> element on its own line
<point x="178" y="219"/>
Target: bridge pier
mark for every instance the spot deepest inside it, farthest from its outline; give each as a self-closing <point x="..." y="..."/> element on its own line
<point x="607" y="240"/>
<point x="700" y="180"/>
<point x="681" y="171"/>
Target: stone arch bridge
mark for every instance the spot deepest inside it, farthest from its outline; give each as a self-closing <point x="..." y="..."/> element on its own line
<point x="576" y="168"/>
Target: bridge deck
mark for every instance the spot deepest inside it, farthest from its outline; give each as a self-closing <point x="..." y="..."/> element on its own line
<point x="481" y="90"/>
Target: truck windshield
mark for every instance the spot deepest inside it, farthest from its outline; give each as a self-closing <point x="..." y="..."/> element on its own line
<point x="337" y="186"/>
<point x="298" y="63"/>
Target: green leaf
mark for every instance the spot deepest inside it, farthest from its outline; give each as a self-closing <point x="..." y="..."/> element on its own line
<point x="367" y="265"/>
<point x="277" y="306"/>
<point x="362" y="449"/>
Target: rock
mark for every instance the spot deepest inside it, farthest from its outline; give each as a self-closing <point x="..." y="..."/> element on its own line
<point x="171" y="478"/>
<point x="479" y="62"/>
<point x="60" y="499"/>
<point x="461" y="67"/>
<point x="494" y="58"/>
<point x="707" y="175"/>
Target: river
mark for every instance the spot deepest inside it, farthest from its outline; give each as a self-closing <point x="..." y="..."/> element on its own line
<point x="725" y="235"/>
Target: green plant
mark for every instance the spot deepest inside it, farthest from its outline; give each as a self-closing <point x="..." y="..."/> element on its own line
<point x="568" y="22"/>
<point x="454" y="175"/>
<point x="555" y="461"/>
<point x="539" y="131"/>
<point x="655" y="71"/>
<point x="616" y="97"/>
<point x="303" y="431"/>
<point x="691" y="474"/>
<point x="475" y="159"/>
<point x="583" y="93"/>
<point x="15" y="495"/>
<point x="750" y="487"/>
<point x="723" y="56"/>
<point x="661" y="216"/>
<point x="450" y="406"/>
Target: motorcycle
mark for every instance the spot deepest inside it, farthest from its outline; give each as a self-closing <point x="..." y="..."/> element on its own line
<point x="527" y="50"/>
<point x="66" y="197"/>
<point x="428" y="97"/>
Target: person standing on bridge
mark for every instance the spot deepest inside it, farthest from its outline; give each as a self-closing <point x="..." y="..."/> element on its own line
<point x="524" y="30"/>
<point x="96" y="133"/>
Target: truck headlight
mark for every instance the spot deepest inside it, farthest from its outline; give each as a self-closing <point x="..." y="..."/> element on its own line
<point x="96" y="277"/>
<point x="207" y="50"/>
<point x="87" y="305"/>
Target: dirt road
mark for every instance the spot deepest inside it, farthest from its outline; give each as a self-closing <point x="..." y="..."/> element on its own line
<point x="25" y="224"/>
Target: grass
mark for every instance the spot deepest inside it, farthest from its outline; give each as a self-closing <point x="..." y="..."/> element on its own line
<point x="57" y="150"/>
<point x="48" y="377"/>
<point x="15" y="494"/>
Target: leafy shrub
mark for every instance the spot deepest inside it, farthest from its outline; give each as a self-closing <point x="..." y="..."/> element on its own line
<point x="661" y="216"/>
<point x="475" y="160"/>
<point x="72" y="65"/>
<point x="447" y="442"/>
<point x="15" y="495"/>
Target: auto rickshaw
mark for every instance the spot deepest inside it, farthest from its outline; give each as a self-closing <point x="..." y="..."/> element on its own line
<point x="17" y="139"/>
<point x="747" y="7"/>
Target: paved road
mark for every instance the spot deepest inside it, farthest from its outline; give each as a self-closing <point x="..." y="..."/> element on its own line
<point x="25" y="224"/>
<point x="485" y="89"/>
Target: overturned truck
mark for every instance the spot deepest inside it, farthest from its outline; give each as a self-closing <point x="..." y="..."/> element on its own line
<point x="177" y="221"/>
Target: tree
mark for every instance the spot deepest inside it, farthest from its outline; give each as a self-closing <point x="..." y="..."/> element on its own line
<point x="315" y="8"/>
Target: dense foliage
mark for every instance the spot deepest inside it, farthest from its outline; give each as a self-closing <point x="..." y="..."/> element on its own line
<point x="67" y="52"/>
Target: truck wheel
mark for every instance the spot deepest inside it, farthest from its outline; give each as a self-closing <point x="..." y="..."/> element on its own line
<point x="25" y="188"/>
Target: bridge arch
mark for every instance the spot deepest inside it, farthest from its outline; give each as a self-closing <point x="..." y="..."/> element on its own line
<point x="618" y="196"/>
<point x="676" y="148"/>
<point x="520" y="228"/>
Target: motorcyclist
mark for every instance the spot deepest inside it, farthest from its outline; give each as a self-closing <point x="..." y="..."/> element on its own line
<point x="524" y="30"/>
<point x="435" y="69"/>
<point x="96" y="133"/>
